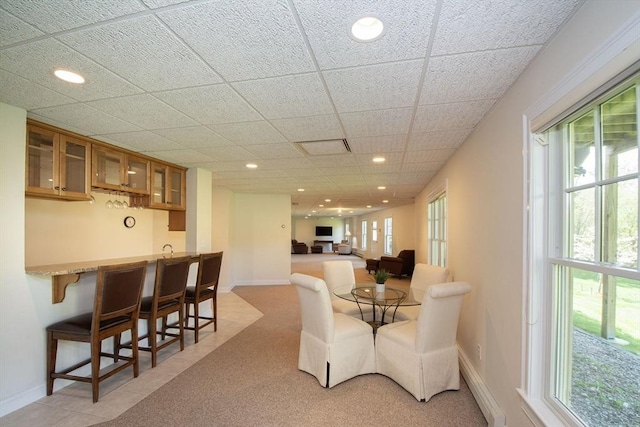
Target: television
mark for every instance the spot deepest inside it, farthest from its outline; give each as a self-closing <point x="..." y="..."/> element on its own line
<point x="322" y="230"/>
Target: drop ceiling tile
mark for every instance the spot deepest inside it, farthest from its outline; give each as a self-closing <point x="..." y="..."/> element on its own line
<point x="310" y="170"/>
<point x="286" y="164"/>
<point x="392" y="158"/>
<point x="408" y="24"/>
<point x="344" y="160"/>
<point x="60" y="15"/>
<point x="457" y="115"/>
<point x="464" y="26"/>
<point x="422" y="167"/>
<point x="378" y="144"/>
<point x="154" y="4"/>
<point x="144" y="52"/>
<point x="377" y="123"/>
<point x="271" y="41"/>
<point x="378" y="179"/>
<point x="230" y="153"/>
<point x="179" y="157"/>
<point x="478" y="75"/>
<point x="53" y="122"/>
<point x="369" y="169"/>
<point x="288" y="96"/>
<point x="375" y="87"/>
<point x="142" y="141"/>
<point x="248" y="133"/>
<point x="274" y="151"/>
<point x="83" y="116"/>
<point x="144" y="111"/>
<point x="419" y="156"/>
<point x="194" y="137"/>
<point x="210" y="104"/>
<point x="14" y="30"/>
<point x="416" y="177"/>
<point x="438" y="139"/>
<point x="36" y="62"/>
<point x="19" y="92"/>
<point x="309" y="128"/>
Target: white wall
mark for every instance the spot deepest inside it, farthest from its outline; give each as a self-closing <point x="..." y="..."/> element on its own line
<point x="305" y="229"/>
<point x="261" y="239"/>
<point x="404" y="230"/>
<point x="485" y="207"/>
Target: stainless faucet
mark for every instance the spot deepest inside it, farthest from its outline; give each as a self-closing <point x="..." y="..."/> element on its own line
<point x="165" y="246"/>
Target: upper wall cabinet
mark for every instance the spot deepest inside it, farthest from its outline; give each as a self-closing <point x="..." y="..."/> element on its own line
<point x="168" y="187"/>
<point x="58" y="165"/>
<point x="119" y="171"/>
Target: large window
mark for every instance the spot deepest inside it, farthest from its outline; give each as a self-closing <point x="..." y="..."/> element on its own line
<point x="592" y="247"/>
<point x="437" y="230"/>
<point x="374" y="231"/>
<point x="363" y="243"/>
<point x="388" y="236"/>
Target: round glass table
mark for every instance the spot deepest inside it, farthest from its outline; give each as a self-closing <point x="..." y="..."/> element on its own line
<point x="391" y="298"/>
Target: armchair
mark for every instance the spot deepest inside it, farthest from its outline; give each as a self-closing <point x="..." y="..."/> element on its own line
<point x="344" y="248"/>
<point x="299" y="247"/>
<point x="400" y="265"/>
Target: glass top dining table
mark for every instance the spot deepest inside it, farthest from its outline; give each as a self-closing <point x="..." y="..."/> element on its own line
<point x="390" y="299"/>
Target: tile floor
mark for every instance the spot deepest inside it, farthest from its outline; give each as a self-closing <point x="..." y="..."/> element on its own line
<point x="72" y="406"/>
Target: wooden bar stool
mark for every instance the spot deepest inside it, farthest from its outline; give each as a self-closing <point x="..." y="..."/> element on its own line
<point x="168" y="297"/>
<point x="206" y="288"/>
<point x="116" y="308"/>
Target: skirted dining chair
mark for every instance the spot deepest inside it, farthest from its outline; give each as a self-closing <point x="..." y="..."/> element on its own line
<point x="115" y="310"/>
<point x="339" y="276"/>
<point x="334" y="347"/>
<point x="424" y="275"/>
<point x="421" y="355"/>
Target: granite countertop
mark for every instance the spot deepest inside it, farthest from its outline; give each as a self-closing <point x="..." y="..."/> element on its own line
<point x="84" y="266"/>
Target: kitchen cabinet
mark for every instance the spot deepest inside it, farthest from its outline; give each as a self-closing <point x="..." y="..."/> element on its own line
<point x="119" y="171"/>
<point x="168" y="187"/>
<point x="58" y="165"/>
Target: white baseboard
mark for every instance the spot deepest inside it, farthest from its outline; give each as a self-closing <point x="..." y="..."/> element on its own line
<point x="15" y="402"/>
<point x="488" y="405"/>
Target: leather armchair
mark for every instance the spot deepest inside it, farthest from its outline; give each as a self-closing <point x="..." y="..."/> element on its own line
<point x="400" y="265"/>
<point x="299" y="247"/>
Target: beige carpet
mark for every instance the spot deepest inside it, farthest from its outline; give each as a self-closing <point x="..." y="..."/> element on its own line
<point x="253" y="380"/>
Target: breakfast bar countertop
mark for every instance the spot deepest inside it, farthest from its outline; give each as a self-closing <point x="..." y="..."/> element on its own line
<point x="84" y="266"/>
<point x="62" y="275"/>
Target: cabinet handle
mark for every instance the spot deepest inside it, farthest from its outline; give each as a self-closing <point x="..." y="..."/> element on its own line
<point x="64" y="188"/>
<point x="56" y="188"/>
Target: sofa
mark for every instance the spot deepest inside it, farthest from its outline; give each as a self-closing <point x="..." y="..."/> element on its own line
<point x="399" y="266"/>
<point x="344" y="248"/>
<point x="299" y="247"/>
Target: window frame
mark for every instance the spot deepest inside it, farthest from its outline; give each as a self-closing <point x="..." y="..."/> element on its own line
<point x="437" y="257"/>
<point x="374" y="231"/>
<point x="388" y="236"/>
<point x="544" y="237"/>
<point x="363" y="234"/>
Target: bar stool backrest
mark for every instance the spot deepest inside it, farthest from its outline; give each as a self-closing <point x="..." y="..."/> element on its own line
<point x="209" y="270"/>
<point x="171" y="278"/>
<point x="118" y="292"/>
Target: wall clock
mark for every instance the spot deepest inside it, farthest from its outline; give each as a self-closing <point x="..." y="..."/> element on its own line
<point x="129" y="221"/>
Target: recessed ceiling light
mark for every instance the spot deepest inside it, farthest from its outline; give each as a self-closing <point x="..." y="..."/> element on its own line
<point x="369" y="206"/>
<point x="69" y="76"/>
<point x="251" y="165"/>
<point x="385" y="201"/>
<point x="379" y="159"/>
<point x="382" y="187"/>
<point x="367" y="29"/>
<point x="321" y="206"/>
<point x="327" y="200"/>
<point x="301" y="189"/>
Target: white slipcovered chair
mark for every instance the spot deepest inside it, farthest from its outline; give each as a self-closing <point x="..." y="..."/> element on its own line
<point x="334" y="347"/>
<point x="421" y="355"/>
<point x="339" y="276"/>
<point x="424" y="275"/>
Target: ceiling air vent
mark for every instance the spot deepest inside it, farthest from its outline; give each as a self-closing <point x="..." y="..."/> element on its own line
<point x="324" y="147"/>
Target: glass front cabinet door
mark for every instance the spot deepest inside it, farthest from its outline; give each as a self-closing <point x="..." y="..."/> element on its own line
<point x="167" y="187"/>
<point x="119" y="171"/>
<point x="57" y="165"/>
